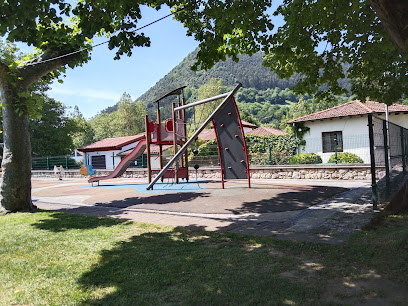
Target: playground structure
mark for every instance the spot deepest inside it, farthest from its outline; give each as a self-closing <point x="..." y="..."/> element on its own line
<point x="233" y="155"/>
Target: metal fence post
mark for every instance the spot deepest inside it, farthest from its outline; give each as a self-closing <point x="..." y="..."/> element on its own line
<point x="372" y="159"/>
<point x="404" y="165"/>
<point x="386" y="160"/>
<point x="270" y="152"/>
<point x="335" y="148"/>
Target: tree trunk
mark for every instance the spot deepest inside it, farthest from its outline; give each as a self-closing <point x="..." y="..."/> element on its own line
<point x="394" y="18"/>
<point x="15" y="189"/>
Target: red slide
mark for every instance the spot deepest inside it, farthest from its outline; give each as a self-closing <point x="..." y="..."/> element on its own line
<point x="124" y="163"/>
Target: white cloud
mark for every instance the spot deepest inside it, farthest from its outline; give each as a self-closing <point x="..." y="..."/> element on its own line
<point x="89" y="93"/>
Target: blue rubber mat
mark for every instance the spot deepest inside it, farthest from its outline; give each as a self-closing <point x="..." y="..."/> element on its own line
<point x="158" y="187"/>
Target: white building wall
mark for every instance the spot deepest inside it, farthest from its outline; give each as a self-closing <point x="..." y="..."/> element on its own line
<point x="355" y="136"/>
<point x="111" y="160"/>
<point x="400" y="119"/>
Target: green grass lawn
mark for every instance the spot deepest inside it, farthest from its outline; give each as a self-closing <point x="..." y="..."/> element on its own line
<point x="57" y="258"/>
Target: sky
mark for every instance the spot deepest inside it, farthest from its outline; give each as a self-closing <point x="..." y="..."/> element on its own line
<point x="102" y="81"/>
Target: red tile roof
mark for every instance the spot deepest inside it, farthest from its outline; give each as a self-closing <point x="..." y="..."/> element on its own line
<point x="116" y="143"/>
<point x="207" y="135"/>
<point x="247" y="124"/>
<point x="352" y="108"/>
<point x="266" y="130"/>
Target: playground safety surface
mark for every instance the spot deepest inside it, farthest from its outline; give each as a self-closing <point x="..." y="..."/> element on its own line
<point x="294" y="209"/>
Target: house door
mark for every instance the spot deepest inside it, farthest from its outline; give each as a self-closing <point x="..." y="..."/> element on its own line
<point x="99" y="162"/>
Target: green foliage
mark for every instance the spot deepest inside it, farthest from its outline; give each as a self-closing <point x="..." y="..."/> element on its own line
<point x="255" y="78"/>
<point x="264" y="150"/>
<point x="208" y="148"/>
<point x="351" y="33"/>
<point x="130" y="116"/>
<point x="346" y="158"/>
<point x="226" y="28"/>
<point x="128" y="120"/>
<point x="51" y="132"/>
<point x="105" y="126"/>
<point x="9" y="52"/>
<point x="213" y="88"/>
<point x="305" y="158"/>
<point x="84" y="135"/>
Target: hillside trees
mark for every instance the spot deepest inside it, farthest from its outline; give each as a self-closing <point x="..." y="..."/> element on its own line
<point x="213" y="88"/>
<point x="84" y="133"/>
<point x="51" y="131"/>
<point x="127" y="120"/>
<point x="130" y="115"/>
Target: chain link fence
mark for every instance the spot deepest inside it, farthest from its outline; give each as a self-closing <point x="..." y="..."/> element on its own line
<point x="388" y="149"/>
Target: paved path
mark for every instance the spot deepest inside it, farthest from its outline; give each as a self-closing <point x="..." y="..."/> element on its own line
<point x="308" y="210"/>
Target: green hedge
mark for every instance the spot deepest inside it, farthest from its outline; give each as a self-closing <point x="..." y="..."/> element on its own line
<point x="346" y="158"/>
<point x="281" y="148"/>
<point x="305" y="158"/>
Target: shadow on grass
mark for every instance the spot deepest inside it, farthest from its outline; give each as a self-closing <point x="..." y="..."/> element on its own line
<point x="194" y="267"/>
<point x="61" y="222"/>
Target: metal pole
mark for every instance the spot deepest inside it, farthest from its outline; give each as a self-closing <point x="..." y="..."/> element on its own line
<point x="404" y="165"/>
<point x="195" y="135"/>
<point x="149" y="166"/>
<point x="335" y="148"/>
<point x="202" y="101"/>
<point x="372" y="161"/>
<point x="386" y="157"/>
<point x="176" y="178"/>
<point x="387" y="117"/>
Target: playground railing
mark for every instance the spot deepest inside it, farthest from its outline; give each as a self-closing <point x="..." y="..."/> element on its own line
<point x="48" y="162"/>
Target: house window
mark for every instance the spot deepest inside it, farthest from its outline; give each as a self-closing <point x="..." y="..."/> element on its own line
<point x="328" y="141"/>
<point x="99" y="162"/>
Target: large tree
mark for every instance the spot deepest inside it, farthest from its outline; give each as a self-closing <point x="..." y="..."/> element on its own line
<point x="351" y="30"/>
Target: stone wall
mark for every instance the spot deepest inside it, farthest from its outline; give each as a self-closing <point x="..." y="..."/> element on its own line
<point x="324" y="172"/>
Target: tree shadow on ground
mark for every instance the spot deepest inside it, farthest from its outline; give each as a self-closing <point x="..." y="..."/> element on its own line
<point x="191" y="267"/>
<point x="289" y="201"/>
<point x="61" y="222"/>
<point x="162" y="199"/>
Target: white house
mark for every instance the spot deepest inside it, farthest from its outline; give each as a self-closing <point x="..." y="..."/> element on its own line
<point x="348" y="123"/>
<point x="106" y="153"/>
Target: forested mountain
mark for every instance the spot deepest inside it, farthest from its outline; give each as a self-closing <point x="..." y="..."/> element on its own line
<point x="264" y="98"/>
<point x="249" y="71"/>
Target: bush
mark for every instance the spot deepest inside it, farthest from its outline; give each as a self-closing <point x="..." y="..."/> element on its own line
<point x="346" y="158"/>
<point x="305" y="158"/>
<point x="262" y="150"/>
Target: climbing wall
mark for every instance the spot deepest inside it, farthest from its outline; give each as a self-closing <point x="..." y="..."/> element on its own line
<point x="231" y="142"/>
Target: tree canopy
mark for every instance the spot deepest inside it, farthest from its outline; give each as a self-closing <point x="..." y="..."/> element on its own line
<point x="317" y="37"/>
